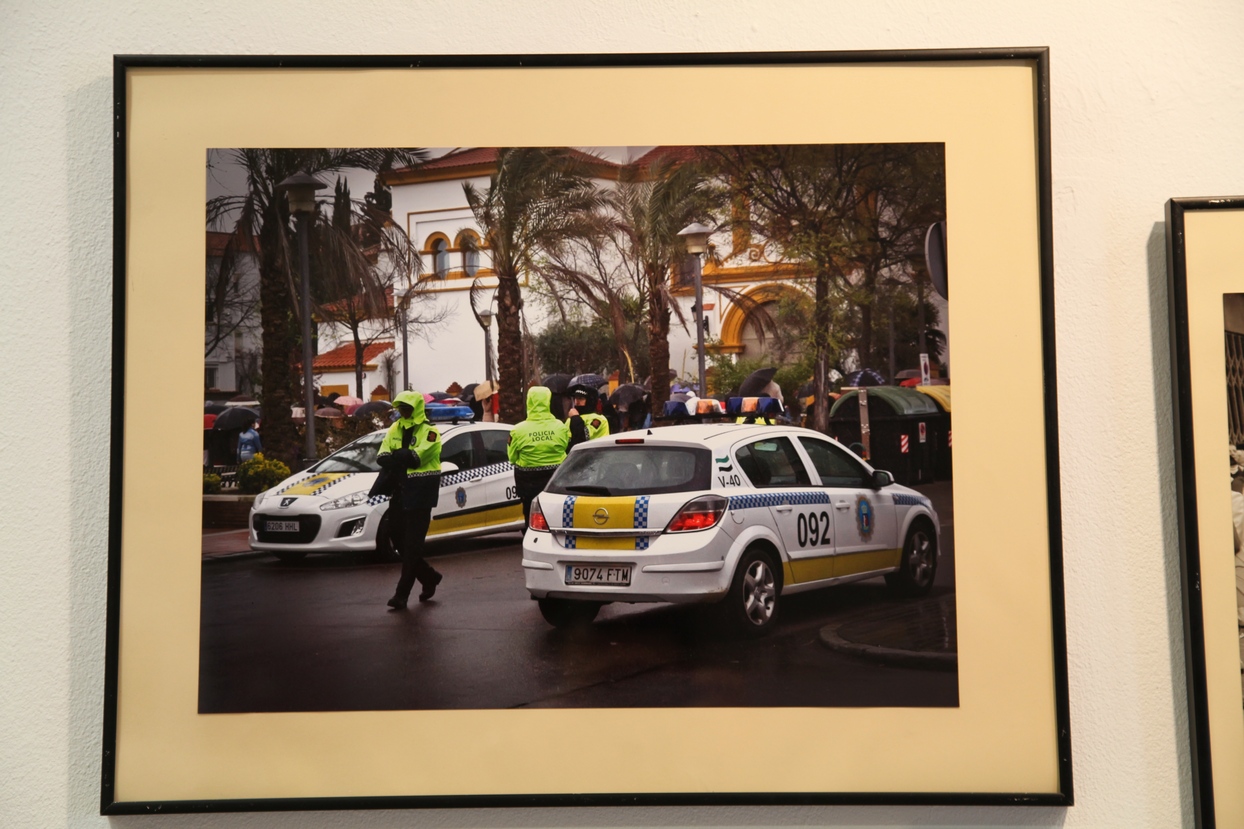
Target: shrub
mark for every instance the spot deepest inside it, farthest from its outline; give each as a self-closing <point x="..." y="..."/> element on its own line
<point x="211" y="484"/>
<point x="259" y="474"/>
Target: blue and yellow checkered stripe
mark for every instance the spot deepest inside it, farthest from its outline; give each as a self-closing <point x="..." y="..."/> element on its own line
<point x="777" y="499"/>
<point x="624" y="513"/>
<point x="315" y="484"/>
<point x="463" y="475"/>
<point x="901" y="500"/>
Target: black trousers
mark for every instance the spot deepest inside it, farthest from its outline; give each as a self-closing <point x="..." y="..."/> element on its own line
<point x="412" y="530"/>
<point x="530" y="483"/>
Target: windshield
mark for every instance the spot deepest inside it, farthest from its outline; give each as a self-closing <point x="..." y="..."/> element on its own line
<point x="633" y="470"/>
<point x="359" y="456"/>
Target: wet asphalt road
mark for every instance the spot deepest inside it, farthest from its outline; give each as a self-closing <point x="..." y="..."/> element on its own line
<point x="316" y="636"/>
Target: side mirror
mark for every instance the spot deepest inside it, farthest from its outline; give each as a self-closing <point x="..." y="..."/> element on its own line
<point x="882" y="479"/>
<point x="448" y="466"/>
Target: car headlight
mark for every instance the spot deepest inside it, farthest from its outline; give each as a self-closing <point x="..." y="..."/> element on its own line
<point x="351" y="500"/>
<point x="259" y="498"/>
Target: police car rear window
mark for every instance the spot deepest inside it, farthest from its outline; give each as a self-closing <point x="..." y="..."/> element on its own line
<point x="633" y="470"/>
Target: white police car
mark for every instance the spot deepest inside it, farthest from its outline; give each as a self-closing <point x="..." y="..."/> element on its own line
<point x="739" y="514"/>
<point x="325" y="508"/>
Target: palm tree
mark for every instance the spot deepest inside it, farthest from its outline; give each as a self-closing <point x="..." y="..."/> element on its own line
<point x="654" y="202"/>
<point x="360" y="257"/>
<point x="259" y="214"/>
<point x="538" y="199"/>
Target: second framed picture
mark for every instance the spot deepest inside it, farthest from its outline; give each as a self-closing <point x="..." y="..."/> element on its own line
<point x="846" y="590"/>
<point x="1205" y="249"/>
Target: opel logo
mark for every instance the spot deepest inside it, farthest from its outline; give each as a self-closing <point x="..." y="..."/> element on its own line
<point x="600" y="516"/>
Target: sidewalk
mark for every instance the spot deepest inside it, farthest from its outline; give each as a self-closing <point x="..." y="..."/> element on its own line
<point x="919" y="633"/>
<point x="224" y="543"/>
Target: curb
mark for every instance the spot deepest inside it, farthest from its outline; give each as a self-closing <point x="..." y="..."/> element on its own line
<point x="888" y="656"/>
<point x="235" y="556"/>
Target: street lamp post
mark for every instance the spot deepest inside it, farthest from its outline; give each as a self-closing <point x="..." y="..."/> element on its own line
<point x="401" y="296"/>
<point x="485" y="319"/>
<point x="300" y="191"/>
<point x="695" y="236"/>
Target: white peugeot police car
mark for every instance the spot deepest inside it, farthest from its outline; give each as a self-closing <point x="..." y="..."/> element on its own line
<point x="325" y="508"/>
<point x="739" y="514"/>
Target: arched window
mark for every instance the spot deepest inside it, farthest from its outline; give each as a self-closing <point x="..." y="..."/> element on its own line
<point x="440" y="258"/>
<point x="766" y="333"/>
<point x="470" y="262"/>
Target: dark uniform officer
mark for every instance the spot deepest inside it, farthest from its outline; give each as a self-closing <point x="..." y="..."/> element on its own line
<point x="584" y="421"/>
<point x="412" y="450"/>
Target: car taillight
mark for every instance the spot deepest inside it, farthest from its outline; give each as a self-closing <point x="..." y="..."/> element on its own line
<point x="698" y="514"/>
<point x="537" y="521"/>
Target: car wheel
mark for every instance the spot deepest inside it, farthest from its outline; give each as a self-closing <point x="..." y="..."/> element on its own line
<point x="290" y="556"/>
<point x="751" y="606"/>
<point x="566" y="613"/>
<point x="385" y="550"/>
<point x="918" y="566"/>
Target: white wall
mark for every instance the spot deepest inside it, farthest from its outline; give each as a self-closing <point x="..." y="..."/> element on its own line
<point x="1148" y="103"/>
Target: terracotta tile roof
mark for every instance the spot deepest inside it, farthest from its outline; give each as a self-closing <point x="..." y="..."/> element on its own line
<point x="216" y="242"/>
<point x="341" y="358"/>
<point x="462" y="158"/>
<point x="677" y="154"/>
<point x="474" y="160"/>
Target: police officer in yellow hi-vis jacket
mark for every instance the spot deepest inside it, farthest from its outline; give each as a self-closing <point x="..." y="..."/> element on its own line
<point x="412" y="451"/>
<point x="537" y="447"/>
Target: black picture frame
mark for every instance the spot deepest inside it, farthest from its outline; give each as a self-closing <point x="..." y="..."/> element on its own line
<point x="1050" y="712"/>
<point x="1195" y="228"/>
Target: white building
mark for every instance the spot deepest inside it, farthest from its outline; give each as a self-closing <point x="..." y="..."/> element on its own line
<point x="429" y="203"/>
<point x="232" y="335"/>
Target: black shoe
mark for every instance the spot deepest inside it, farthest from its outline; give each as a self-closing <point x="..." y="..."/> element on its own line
<point x="397" y="603"/>
<point x="429" y="587"/>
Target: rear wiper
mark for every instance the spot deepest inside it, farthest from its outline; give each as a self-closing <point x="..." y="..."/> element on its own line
<point x="589" y="490"/>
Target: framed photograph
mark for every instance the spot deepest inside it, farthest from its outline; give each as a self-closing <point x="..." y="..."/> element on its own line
<point x="1205" y="242"/>
<point x="303" y="243"/>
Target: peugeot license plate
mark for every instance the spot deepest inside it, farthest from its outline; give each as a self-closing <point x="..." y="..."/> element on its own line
<point x="281" y="526"/>
<point x="615" y="574"/>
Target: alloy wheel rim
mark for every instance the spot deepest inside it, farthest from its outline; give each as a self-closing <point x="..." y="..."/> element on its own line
<point x="920" y="558"/>
<point x="759" y="592"/>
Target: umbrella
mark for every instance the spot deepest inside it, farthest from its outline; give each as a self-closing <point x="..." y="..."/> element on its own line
<point x="346" y="401"/>
<point x="910" y="382"/>
<point x="757" y="382"/>
<point x="864" y="377"/>
<point x="209" y="420"/>
<point x="468" y="391"/>
<point x="589" y="381"/>
<point x="238" y="417"/>
<point x="329" y="412"/>
<point x="214" y="408"/>
<point x="556" y="383"/>
<point x="379" y="407"/>
<point x="438" y="395"/>
<point x="626" y="394"/>
<point x="484" y="390"/>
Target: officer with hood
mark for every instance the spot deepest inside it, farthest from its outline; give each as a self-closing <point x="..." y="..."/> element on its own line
<point x="585" y="422"/>
<point x="537" y="447"/>
<point x="411" y="453"/>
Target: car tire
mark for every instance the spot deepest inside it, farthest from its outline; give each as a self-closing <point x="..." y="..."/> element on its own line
<point x="751" y="606"/>
<point x="917" y="568"/>
<point x="567" y="613"/>
<point x="290" y="556"/>
<point x="385" y="551"/>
